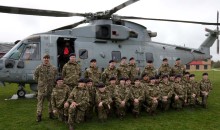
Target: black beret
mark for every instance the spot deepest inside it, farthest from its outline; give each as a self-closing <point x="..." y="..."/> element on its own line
<point x="165" y="59"/>
<point x="124" y="57"/>
<point x="126" y="79"/>
<point x="137" y="78"/>
<point x="111" y="61"/>
<point x="149" y="61"/>
<point x="172" y="75"/>
<point x="112" y="78"/>
<point x="177" y="59"/>
<point x="93" y="60"/>
<point x="88" y="80"/>
<point x="132" y="58"/>
<point x="186" y="73"/>
<point x="205" y="74"/>
<point x="72" y="54"/>
<point x="122" y="78"/>
<point x="144" y="74"/>
<point x="157" y="77"/>
<point x="152" y="78"/>
<point x="59" y="78"/>
<point x="178" y="76"/>
<point x="165" y="76"/>
<point x="81" y="80"/>
<point x="192" y="75"/>
<point x="101" y="85"/>
<point x="47" y="56"/>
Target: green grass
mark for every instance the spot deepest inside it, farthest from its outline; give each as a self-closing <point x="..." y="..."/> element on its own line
<point x="20" y="115"/>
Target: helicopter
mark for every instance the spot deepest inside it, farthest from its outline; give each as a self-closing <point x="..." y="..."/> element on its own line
<point x="106" y="37"/>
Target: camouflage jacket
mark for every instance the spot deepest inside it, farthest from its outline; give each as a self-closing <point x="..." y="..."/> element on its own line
<point x="93" y="73"/>
<point x="137" y="92"/>
<point x="133" y="72"/>
<point x="80" y="96"/>
<point x="164" y="69"/>
<point x="123" y="71"/>
<point x="193" y="88"/>
<point x="71" y="73"/>
<point x="108" y="73"/>
<point x="152" y="91"/>
<point x="178" y="69"/>
<point x="205" y="85"/>
<point x="111" y="89"/>
<point x="121" y="93"/>
<point x="150" y="71"/>
<point x="91" y="91"/>
<point x="103" y="97"/>
<point x="59" y="96"/>
<point x="166" y="89"/>
<point x="45" y="76"/>
<point x="179" y="90"/>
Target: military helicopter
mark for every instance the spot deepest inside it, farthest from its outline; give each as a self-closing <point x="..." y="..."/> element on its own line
<point x="107" y="36"/>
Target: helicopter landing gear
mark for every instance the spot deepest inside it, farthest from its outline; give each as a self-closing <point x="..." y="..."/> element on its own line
<point x="21" y="92"/>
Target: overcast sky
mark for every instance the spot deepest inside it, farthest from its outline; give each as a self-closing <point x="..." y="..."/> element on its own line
<point x="14" y="27"/>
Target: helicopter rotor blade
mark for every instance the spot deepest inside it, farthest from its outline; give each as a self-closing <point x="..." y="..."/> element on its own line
<point x="70" y="26"/>
<point x="121" y="6"/>
<point x="168" y="20"/>
<point x="38" y="12"/>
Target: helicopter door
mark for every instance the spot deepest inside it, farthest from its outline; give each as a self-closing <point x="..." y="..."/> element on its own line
<point x="140" y="59"/>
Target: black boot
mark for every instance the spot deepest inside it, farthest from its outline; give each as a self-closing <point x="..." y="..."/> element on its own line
<point x="39" y="118"/>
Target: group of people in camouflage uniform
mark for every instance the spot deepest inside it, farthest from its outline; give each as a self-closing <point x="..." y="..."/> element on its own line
<point x="116" y="90"/>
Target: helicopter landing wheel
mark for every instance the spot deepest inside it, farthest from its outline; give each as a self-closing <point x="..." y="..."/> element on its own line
<point x="21" y="93"/>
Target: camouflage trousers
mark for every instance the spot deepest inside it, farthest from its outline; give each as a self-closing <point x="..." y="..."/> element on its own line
<point x="40" y="100"/>
<point x="76" y="114"/>
<point x="178" y="104"/>
<point x="152" y="106"/>
<point x="89" y="111"/>
<point x="121" y="110"/>
<point x="204" y="100"/>
<point x="103" y="111"/>
<point x="165" y="105"/>
<point x="61" y="112"/>
<point x="136" y="107"/>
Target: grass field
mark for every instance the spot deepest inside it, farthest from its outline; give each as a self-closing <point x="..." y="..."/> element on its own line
<point x="20" y="115"/>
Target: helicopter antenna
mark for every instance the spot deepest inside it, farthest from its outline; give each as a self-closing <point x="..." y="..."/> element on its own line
<point x="217" y="33"/>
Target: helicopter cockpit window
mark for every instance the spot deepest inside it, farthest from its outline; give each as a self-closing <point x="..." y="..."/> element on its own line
<point x="31" y="52"/>
<point x="116" y="56"/>
<point x="83" y="54"/>
<point x="16" y="52"/>
<point x="149" y="56"/>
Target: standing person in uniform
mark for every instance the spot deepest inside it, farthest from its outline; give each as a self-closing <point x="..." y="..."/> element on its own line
<point x="59" y="96"/>
<point x="205" y="87"/>
<point x="45" y="75"/>
<point x="133" y="69"/>
<point x="178" y="68"/>
<point x="71" y="71"/>
<point x="137" y="96"/>
<point x="93" y="72"/>
<point x="103" y="101"/>
<point x="165" y="68"/>
<point x="78" y="103"/>
<point x="123" y="68"/>
<point x="149" y="69"/>
<point x="109" y="72"/>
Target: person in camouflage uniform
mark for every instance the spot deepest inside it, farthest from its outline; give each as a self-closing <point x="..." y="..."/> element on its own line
<point x="172" y="78"/>
<point x="178" y="68"/>
<point x="166" y="89"/>
<point x="103" y="101"/>
<point x="123" y="68"/>
<point x="149" y="69"/>
<point x="79" y="102"/>
<point x="93" y="72"/>
<point x="157" y="80"/>
<point x="194" y="91"/>
<point x="186" y="84"/>
<point x="92" y="90"/>
<point x="145" y="80"/>
<point x="136" y="96"/>
<point x="71" y="71"/>
<point x="205" y="87"/>
<point x="128" y="83"/>
<point x="179" y="93"/>
<point x="164" y="69"/>
<point x="59" y="96"/>
<point x="121" y="98"/>
<point x="45" y="75"/>
<point x="109" y="72"/>
<point x="133" y="69"/>
<point x="152" y="95"/>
